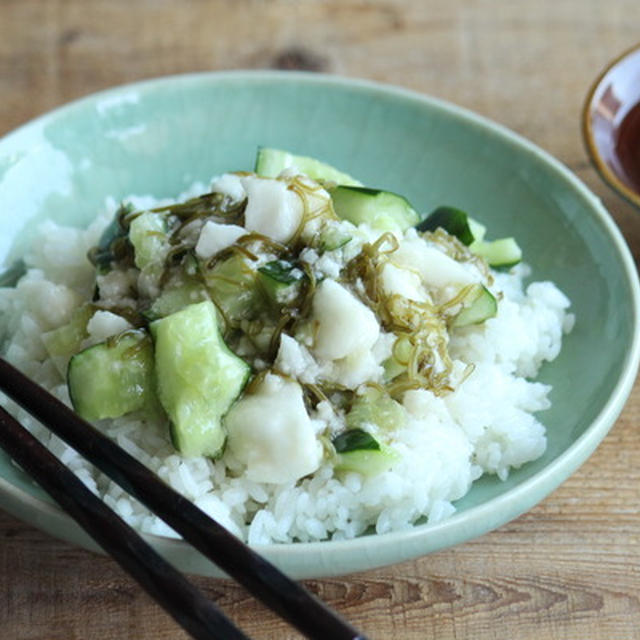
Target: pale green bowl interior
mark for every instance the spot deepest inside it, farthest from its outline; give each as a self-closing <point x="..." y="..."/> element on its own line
<point x="161" y="136"/>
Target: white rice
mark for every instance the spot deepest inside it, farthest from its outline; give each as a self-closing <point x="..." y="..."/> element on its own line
<point x="488" y="425"/>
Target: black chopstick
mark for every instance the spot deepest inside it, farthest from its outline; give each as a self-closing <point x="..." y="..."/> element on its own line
<point x="261" y="578"/>
<point x="188" y="606"/>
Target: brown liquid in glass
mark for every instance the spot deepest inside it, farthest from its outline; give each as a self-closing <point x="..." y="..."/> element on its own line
<point x="628" y="146"/>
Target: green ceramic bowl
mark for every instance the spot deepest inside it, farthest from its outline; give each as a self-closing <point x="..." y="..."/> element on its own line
<point x="160" y="136"/>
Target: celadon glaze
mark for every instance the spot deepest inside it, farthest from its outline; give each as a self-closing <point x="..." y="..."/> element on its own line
<point x="160" y="136"/>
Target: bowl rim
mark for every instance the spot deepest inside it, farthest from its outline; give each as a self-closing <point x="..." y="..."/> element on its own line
<point x="608" y="176"/>
<point x="410" y="543"/>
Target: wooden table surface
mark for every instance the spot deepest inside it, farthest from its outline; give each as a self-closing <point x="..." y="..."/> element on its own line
<point x="570" y="568"/>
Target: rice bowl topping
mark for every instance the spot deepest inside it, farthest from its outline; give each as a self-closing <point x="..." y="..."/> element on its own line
<point x="303" y="357"/>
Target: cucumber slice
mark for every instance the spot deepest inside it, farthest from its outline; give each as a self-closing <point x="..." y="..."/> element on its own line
<point x="281" y="272"/>
<point x="10" y="276"/>
<point x="66" y="340"/>
<point x="393" y="368"/>
<point x="483" y="307"/>
<point x="113" y="243"/>
<point x="175" y="299"/>
<point x="198" y="378"/>
<point x="355" y="440"/>
<point x="398" y="362"/>
<point x="376" y="408"/>
<point x="331" y="238"/>
<point x="366" y="462"/>
<point x="231" y="284"/>
<point x="359" y="451"/>
<point x="502" y="253"/>
<point x="113" y="378"/>
<point x="453" y="221"/>
<point x="381" y="210"/>
<point x="148" y="235"/>
<point x="280" y="281"/>
<point x="478" y="230"/>
<point x="270" y="163"/>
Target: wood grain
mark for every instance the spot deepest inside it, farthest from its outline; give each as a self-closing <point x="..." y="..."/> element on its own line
<point x="567" y="570"/>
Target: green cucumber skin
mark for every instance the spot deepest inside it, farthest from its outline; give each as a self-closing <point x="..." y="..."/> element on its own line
<point x="280" y="271"/>
<point x="367" y="462"/>
<point x="502" y="253"/>
<point x="279" y="282"/>
<point x="113" y="235"/>
<point x="113" y="378"/>
<point x="355" y="440"/>
<point x="453" y="221"/>
<point x="382" y="210"/>
<point x="332" y="239"/>
<point x="359" y="451"/>
<point x="485" y="306"/>
<point x="10" y="275"/>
